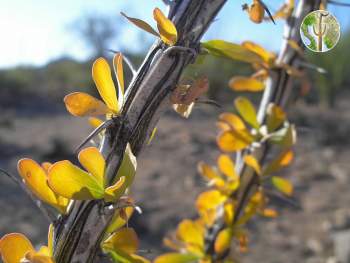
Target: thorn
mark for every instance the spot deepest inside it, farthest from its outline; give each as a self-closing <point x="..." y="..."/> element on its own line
<point x="12" y="177"/>
<point x="312" y="66"/>
<point x="209" y="102"/>
<point x="138" y="209"/>
<point x="50" y="217"/>
<point x="167" y="2"/>
<point x="267" y="11"/>
<point x="103" y="126"/>
<point x="181" y="49"/>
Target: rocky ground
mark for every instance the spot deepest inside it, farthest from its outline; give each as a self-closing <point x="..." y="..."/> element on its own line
<point x="167" y="183"/>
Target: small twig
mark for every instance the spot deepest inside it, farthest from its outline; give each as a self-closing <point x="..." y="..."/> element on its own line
<point x="49" y="216"/>
<point x="267" y="11"/>
<point x="167" y="2"/>
<point x="103" y="126"/>
<point x="312" y="66"/>
<point x="283" y="198"/>
<point x="209" y="102"/>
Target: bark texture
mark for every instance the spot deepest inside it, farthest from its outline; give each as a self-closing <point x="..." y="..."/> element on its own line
<point x="78" y="235"/>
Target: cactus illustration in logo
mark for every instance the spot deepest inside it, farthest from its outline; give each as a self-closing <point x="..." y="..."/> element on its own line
<point x="320" y="31"/>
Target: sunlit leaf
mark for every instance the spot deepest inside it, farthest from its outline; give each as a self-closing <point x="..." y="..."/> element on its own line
<point x="127" y="167"/>
<point x="230" y="50"/>
<point x="234" y="121"/>
<point x="34" y="257"/>
<point x="267" y="56"/>
<point x="50" y="239"/>
<point x="44" y="251"/>
<point x="229" y="212"/>
<point x="176" y="258"/>
<point x="275" y="117"/>
<point x="227" y="166"/>
<point x="166" y="28"/>
<point x="95" y="122"/>
<point x="141" y="24"/>
<point x="281" y="161"/>
<point x="123" y="257"/>
<point x="210" y="174"/>
<point x="285" y="137"/>
<point x="102" y="75"/>
<point x="82" y="104"/>
<point x="154" y="131"/>
<point x="119" y="72"/>
<point x="246" y="84"/>
<point x="247" y="111"/>
<point x="191" y="233"/>
<point x="268" y="212"/>
<point x="231" y="141"/>
<point x="209" y="200"/>
<point x="207" y="171"/>
<point x="124" y="239"/>
<point x="114" y="192"/>
<point x="223" y="240"/>
<point x="285" y="10"/>
<point x="13" y="247"/>
<point x="35" y="179"/>
<point x="282" y="185"/>
<point x="46" y="166"/>
<point x="252" y="162"/>
<point x="92" y="160"/>
<point x="120" y="218"/>
<point x="72" y="182"/>
<point x="261" y="74"/>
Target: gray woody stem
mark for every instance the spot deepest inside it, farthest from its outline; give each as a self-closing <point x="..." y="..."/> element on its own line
<point x="78" y="235"/>
<point x="277" y="91"/>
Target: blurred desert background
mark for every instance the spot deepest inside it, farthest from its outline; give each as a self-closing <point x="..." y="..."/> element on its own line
<point x="313" y="227"/>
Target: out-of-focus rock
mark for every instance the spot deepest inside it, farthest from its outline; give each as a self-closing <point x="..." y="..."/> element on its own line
<point x="342" y="245"/>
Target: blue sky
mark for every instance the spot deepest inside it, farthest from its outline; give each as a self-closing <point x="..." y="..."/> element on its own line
<point x="33" y="32"/>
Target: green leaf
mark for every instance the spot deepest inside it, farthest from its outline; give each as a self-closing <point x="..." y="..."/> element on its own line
<point x="233" y="51"/>
<point x="285" y="137"/>
<point x="275" y="117"/>
<point x="247" y="111"/>
<point x="74" y="183"/>
<point x="282" y="185"/>
<point x="281" y="161"/>
<point x="127" y="167"/>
